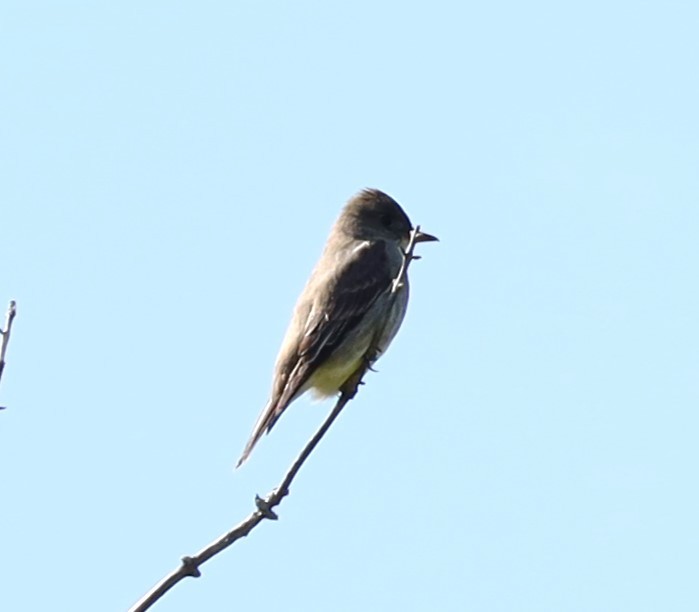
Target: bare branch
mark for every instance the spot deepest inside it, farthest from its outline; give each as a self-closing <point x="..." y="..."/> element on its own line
<point x="265" y="506"/>
<point x="5" y="334"/>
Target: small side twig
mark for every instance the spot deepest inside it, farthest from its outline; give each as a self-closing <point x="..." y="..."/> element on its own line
<point x="5" y="335"/>
<point x="265" y="505"/>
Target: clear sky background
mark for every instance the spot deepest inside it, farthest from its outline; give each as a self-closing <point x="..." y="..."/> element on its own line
<point x="169" y="173"/>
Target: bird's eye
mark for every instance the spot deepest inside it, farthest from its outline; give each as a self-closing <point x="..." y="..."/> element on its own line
<point x="386" y="220"/>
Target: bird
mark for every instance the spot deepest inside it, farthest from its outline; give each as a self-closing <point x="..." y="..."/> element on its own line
<point x="347" y="315"/>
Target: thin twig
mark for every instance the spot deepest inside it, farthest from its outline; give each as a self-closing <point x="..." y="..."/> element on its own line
<point x="265" y="506"/>
<point x="190" y="565"/>
<point x="5" y="333"/>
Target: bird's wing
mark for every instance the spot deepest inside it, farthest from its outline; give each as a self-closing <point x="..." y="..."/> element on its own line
<point x="352" y="290"/>
<point x="355" y="288"/>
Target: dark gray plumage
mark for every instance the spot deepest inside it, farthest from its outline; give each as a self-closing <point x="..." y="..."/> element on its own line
<point x="344" y="305"/>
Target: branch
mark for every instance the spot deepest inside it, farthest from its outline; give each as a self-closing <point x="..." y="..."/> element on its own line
<point x="265" y="506"/>
<point x="5" y="333"/>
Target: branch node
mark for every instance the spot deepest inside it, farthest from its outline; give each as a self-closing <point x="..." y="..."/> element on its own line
<point x="264" y="506"/>
<point x="190" y="567"/>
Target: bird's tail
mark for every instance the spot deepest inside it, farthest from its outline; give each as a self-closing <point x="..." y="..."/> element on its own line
<point x="268" y="417"/>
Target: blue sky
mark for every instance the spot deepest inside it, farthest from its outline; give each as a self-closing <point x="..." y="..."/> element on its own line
<point x="169" y="175"/>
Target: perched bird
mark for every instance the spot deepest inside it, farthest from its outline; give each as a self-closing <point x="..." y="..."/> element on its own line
<point x="346" y="307"/>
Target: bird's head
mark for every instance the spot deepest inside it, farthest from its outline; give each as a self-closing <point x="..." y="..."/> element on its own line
<point x="374" y="215"/>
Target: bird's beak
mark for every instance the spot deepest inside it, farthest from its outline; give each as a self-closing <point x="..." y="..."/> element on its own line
<point x="423" y="237"/>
